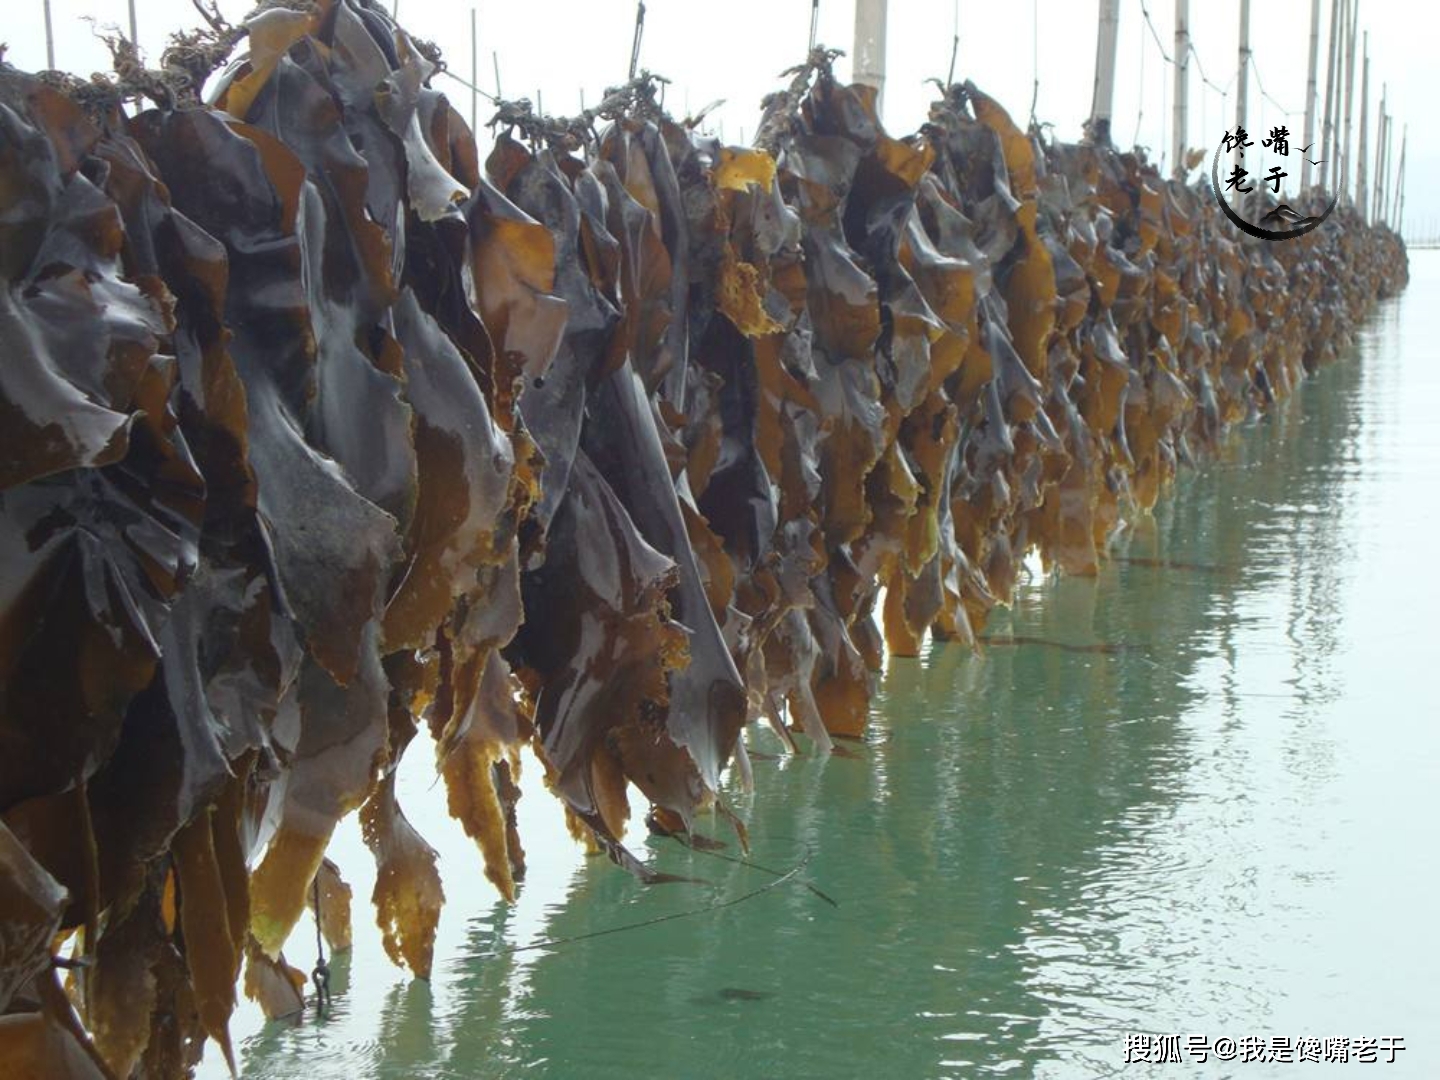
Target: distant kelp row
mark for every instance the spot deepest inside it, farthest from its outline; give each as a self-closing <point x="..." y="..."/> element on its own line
<point x="317" y="440"/>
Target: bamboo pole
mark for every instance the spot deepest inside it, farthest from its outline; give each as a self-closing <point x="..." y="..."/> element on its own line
<point x="1102" y="103"/>
<point x="49" y="39"/>
<point x="1387" y="207"/>
<point x="870" y="19"/>
<point x="1310" y="93"/>
<point x="134" y="33"/>
<point x="1242" y="81"/>
<point x="1327" y="130"/>
<point x="474" y="71"/>
<point x="1400" y="184"/>
<point x="1182" y="83"/>
<point x="1352" y="15"/>
<point x="1360" y="176"/>
<point x="1379" y="186"/>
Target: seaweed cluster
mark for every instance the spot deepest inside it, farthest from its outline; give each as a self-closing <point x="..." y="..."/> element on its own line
<point x="319" y="437"/>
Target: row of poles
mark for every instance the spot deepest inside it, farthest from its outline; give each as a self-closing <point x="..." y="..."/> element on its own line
<point x="1379" y="197"/>
<point x="50" y="33"/>
<point x="1382" y="200"/>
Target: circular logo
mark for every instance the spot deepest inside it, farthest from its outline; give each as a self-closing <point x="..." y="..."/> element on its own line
<point x="1298" y="224"/>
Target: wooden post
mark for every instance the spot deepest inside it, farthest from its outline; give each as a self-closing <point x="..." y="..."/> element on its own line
<point x="1378" y="188"/>
<point x="474" y="71"/>
<point x="1310" y="93"/>
<point x="1102" y="103"/>
<point x="1182" y="84"/>
<point x="1387" y="206"/>
<point x="1327" y="130"/>
<point x="1352" y="15"/>
<point x="1400" y="184"/>
<point x="1360" y="177"/>
<point x="869" y="67"/>
<point x="1242" y="80"/>
<point x="49" y="39"/>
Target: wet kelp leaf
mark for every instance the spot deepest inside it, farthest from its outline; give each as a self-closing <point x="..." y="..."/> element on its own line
<point x="603" y="653"/>
<point x="270" y="34"/>
<point x="78" y="338"/>
<point x="331" y="569"/>
<point x="31" y="903"/>
<point x="86" y="548"/>
<point x="210" y="951"/>
<point x="514" y="260"/>
<point x="477" y="770"/>
<point x="36" y="1047"/>
<point x="567" y="199"/>
<point x="706" y="698"/>
<point x="335" y="896"/>
<point x="349" y="287"/>
<point x="122" y="987"/>
<point x="340" y="746"/>
<point x="651" y="225"/>
<point x="274" y="985"/>
<point x="464" y="482"/>
<point x="408" y="895"/>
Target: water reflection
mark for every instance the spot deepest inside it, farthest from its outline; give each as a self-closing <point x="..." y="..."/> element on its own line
<point x="1128" y="814"/>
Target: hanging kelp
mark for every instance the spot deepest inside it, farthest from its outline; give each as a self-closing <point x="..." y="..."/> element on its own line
<point x="321" y="438"/>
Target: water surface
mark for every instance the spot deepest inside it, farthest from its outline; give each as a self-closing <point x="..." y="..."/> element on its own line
<point x="1195" y="795"/>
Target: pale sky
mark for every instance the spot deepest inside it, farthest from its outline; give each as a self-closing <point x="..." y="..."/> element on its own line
<point x="737" y="49"/>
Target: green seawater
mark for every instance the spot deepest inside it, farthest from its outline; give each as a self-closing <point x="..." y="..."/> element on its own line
<point x="1220" y="820"/>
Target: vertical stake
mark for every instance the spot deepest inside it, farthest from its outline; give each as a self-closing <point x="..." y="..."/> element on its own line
<point x="869" y="55"/>
<point x="1400" y="184"/>
<point x="1310" y="93"/>
<point x="1327" y="129"/>
<point x="1361" y="188"/>
<point x="1378" y="187"/>
<point x="1242" y="79"/>
<point x="1181" y="120"/>
<point x="1351" y="16"/>
<point x="1182" y="86"/>
<point x="49" y="39"/>
<point x="1104" y="97"/>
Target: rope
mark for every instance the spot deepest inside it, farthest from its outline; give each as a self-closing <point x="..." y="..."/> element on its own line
<point x="321" y="975"/>
<point x="1205" y="80"/>
<point x="1164" y="121"/>
<point x="470" y="86"/>
<point x="680" y="839"/>
<point x="1255" y="69"/>
<point x="552" y="943"/>
<point x="1190" y="49"/>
